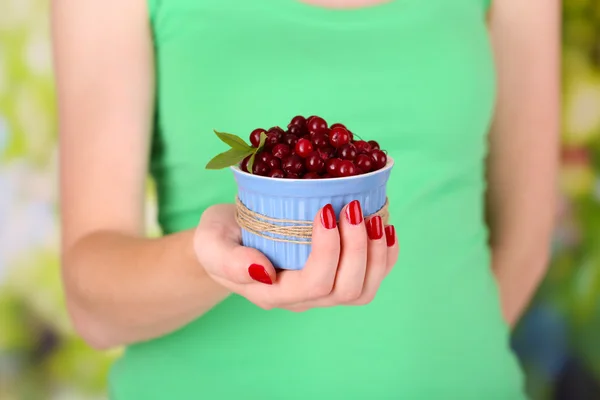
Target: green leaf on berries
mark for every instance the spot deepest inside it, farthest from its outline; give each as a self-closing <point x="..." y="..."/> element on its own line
<point x="229" y="158"/>
<point x="261" y="144"/>
<point x="233" y="141"/>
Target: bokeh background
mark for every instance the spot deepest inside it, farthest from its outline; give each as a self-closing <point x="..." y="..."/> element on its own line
<point x="558" y="340"/>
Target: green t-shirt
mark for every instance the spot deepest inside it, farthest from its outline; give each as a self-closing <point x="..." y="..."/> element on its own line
<point x="418" y="77"/>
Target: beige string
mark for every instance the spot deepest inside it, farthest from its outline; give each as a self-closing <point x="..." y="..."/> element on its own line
<point x="289" y="230"/>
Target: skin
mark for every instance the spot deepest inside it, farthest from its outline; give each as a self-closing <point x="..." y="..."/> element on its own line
<point x="120" y="286"/>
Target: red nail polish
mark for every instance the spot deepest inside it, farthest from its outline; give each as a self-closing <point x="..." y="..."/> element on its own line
<point x="259" y="274"/>
<point x="328" y="217"/>
<point x="375" y="228"/>
<point x="390" y="235"/>
<point x="354" y="213"/>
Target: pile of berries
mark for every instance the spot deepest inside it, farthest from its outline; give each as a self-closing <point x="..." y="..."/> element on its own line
<point x="310" y="149"/>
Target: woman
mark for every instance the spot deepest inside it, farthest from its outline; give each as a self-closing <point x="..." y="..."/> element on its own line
<point x="204" y="317"/>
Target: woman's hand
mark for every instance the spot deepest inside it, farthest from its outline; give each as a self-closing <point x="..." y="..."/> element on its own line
<point x="346" y="265"/>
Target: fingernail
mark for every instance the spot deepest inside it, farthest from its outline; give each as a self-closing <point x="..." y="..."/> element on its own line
<point x="375" y="228"/>
<point x="354" y="213"/>
<point x="259" y="274"/>
<point x="390" y="235"/>
<point x="328" y="217"/>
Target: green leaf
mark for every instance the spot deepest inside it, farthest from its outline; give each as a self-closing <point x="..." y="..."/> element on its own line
<point x="228" y="158"/>
<point x="251" y="162"/>
<point x="263" y="139"/>
<point x="233" y="141"/>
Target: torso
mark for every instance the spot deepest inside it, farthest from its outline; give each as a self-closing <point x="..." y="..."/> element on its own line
<point x="416" y="75"/>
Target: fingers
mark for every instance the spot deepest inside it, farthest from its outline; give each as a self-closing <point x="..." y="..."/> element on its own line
<point x="351" y="271"/>
<point x="377" y="255"/>
<point x="317" y="278"/>
<point x="227" y="259"/>
<point x="393" y="247"/>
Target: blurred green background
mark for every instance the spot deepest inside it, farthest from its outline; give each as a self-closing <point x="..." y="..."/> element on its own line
<point x="558" y="340"/>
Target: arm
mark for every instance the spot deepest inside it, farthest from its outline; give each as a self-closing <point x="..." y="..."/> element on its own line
<point x="120" y="287"/>
<point x="523" y="146"/>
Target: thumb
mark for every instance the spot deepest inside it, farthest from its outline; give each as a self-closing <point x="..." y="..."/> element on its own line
<point x="224" y="257"/>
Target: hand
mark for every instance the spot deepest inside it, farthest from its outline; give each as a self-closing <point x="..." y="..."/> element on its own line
<point x="346" y="265"/>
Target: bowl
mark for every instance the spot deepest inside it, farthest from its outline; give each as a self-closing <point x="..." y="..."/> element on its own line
<point x="296" y="202"/>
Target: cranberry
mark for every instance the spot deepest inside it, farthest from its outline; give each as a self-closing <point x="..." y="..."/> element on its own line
<point x="346" y="168"/>
<point x="327" y="176"/>
<point x="274" y="163"/>
<point x="244" y="164"/>
<point x="362" y="146"/>
<point x="320" y="140"/>
<point x="281" y="150"/>
<point x="374" y="145"/>
<point x="326" y="152"/>
<point x="260" y="168"/>
<point x="351" y="136"/>
<point x="276" y="173"/>
<point x="276" y="129"/>
<point x="332" y="166"/>
<point x="364" y="162"/>
<point x="298" y="120"/>
<point x="379" y="159"/>
<point x="290" y="140"/>
<point x="316" y="125"/>
<point x="273" y="138"/>
<point x="293" y="165"/>
<point x="314" y="163"/>
<point x="255" y="137"/>
<point x="339" y="136"/>
<point x="290" y="175"/>
<point x="347" y="152"/>
<point x="304" y="147"/>
<point x="297" y="130"/>
<point x="311" y="175"/>
<point x="264" y="156"/>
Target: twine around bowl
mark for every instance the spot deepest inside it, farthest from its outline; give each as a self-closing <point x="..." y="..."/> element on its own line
<point x="286" y="230"/>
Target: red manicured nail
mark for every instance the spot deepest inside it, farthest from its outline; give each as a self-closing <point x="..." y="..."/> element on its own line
<point x="354" y="213"/>
<point x="390" y="235"/>
<point x="375" y="228"/>
<point x="259" y="274"/>
<point x="328" y="217"/>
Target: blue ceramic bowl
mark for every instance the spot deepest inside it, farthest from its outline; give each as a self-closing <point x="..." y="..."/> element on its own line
<point x="301" y="199"/>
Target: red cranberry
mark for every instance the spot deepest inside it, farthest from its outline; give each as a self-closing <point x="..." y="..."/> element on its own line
<point x="290" y="175"/>
<point x="332" y="166"/>
<point x="327" y="176"/>
<point x="276" y="173"/>
<point x="290" y="140"/>
<point x="316" y="125"/>
<point x="374" y="145"/>
<point x="274" y="163"/>
<point x="346" y="168"/>
<point x="304" y="147"/>
<point x="293" y="165"/>
<point x="281" y="150"/>
<point x="338" y="125"/>
<point x="379" y="159"/>
<point x="244" y="164"/>
<point x="338" y="137"/>
<point x="273" y="138"/>
<point x="314" y="163"/>
<point x="362" y="146"/>
<point x="364" y="162"/>
<point x="351" y="136"/>
<point x="297" y="130"/>
<point x="260" y="168"/>
<point x="264" y="156"/>
<point x="276" y="129"/>
<point x="311" y="175"/>
<point x="326" y="152"/>
<point x="255" y="137"/>
<point x="320" y="139"/>
<point x="298" y="120"/>
<point x="347" y="152"/>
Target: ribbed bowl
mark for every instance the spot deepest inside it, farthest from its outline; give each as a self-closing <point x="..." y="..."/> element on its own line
<point x="301" y="199"/>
